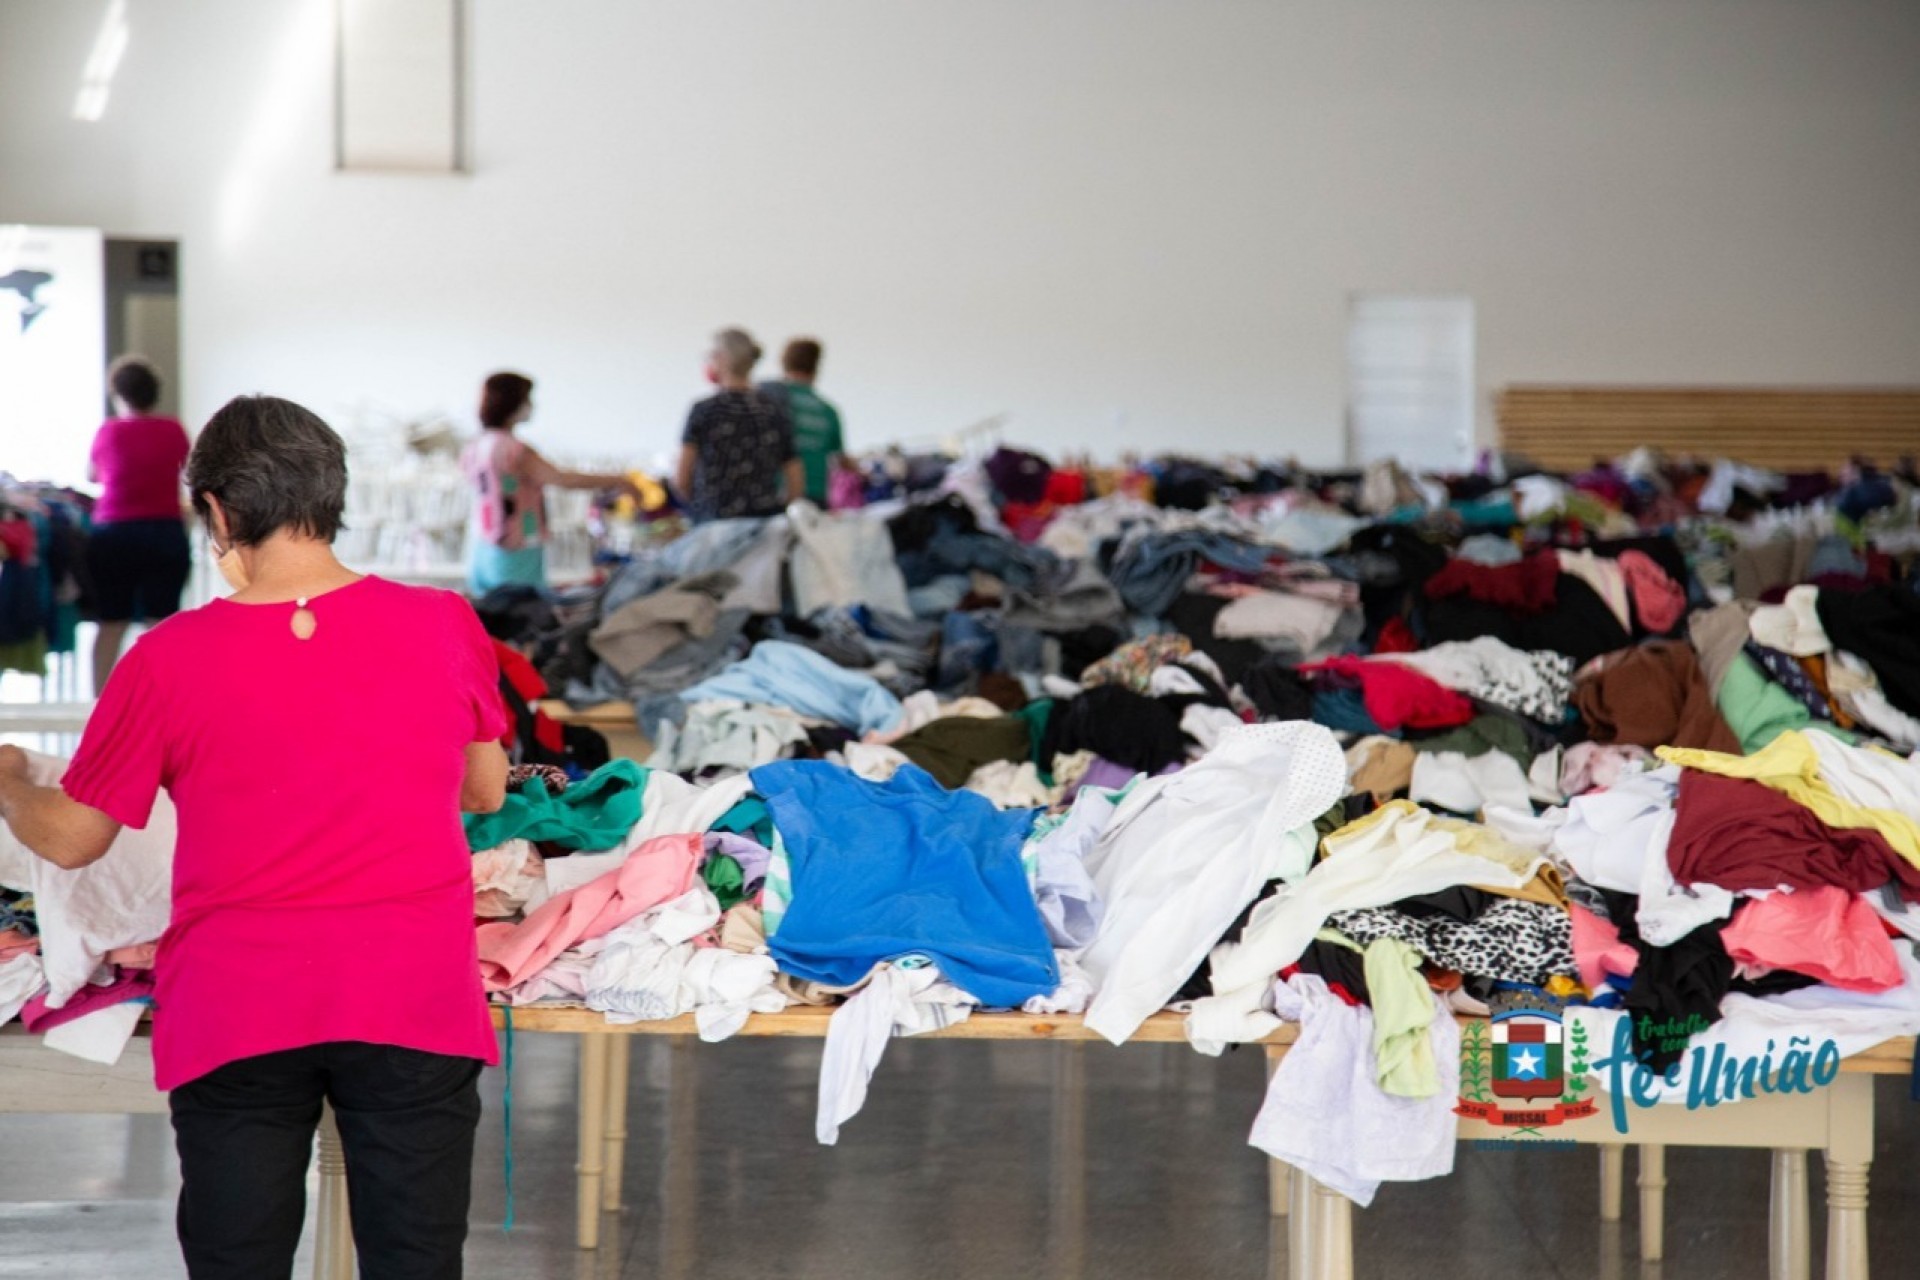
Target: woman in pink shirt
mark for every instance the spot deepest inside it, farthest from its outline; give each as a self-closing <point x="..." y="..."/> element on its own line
<point x="137" y="555"/>
<point x="319" y="733"/>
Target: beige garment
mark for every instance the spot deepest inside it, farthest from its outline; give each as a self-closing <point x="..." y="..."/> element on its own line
<point x="632" y="637"/>
<point x="1719" y="634"/>
<point x="1382" y="767"/>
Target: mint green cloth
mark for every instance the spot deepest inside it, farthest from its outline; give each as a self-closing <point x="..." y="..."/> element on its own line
<point x="1759" y="710"/>
<point x="593" y="814"/>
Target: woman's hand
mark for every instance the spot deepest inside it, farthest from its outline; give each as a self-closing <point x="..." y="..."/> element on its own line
<point x="13" y="763"/>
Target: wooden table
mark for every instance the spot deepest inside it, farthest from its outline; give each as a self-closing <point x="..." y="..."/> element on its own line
<point x="1836" y="1120"/>
<point x="613" y="719"/>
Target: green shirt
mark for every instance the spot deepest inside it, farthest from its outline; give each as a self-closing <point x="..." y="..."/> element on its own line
<point x="816" y="434"/>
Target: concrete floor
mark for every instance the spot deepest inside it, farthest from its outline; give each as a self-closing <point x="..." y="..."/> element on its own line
<point x="958" y="1167"/>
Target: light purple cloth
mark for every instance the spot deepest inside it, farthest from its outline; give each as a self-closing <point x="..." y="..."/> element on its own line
<point x="1106" y="774"/>
<point x="752" y="856"/>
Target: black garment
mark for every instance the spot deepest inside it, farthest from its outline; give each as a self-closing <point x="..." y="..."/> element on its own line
<point x="1340" y="966"/>
<point x="139" y="569"/>
<point x="741" y="442"/>
<point x="1678" y="987"/>
<point x="1120" y="725"/>
<point x="915" y="528"/>
<point x="1278" y="691"/>
<point x="1461" y="902"/>
<point x="1579" y="624"/>
<point x="515" y="612"/>
<point x="1193" y="614"/>
<point x="1082" y="648"/>
<point x="245" y="1136"/>
<point x="1881" y="626"/>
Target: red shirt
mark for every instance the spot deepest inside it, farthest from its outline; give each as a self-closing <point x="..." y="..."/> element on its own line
<point x="138" y="462"/>
<point x="322" y="886"/>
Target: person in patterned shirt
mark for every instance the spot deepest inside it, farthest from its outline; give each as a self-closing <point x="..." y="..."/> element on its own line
<point x="736" y="455"/>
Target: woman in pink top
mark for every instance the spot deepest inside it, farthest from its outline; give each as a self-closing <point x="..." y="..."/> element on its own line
<point x="137" y="555"/>
<point x="507" y="539"/>
<point x="319" y="733"/>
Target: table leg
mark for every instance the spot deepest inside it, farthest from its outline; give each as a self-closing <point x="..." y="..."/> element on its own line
<point x="1849" y="1153"/>
<point x="1067" y="1191"/>
<point x="1653" y="1201"/>
<point x="1299" y="1223"/>
<point x="1331" y="1257"/>
<point x="1279" y="1172"/>
<point x="618" y="1063"/>
<point x="593" y="1134"/>
<point x="1789" y="1243"/>
<point x="1613" y="1177"/>
<point x="333" y="1232"/>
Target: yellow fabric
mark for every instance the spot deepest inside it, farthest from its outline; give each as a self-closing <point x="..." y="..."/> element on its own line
<point x="1469" y="838"/>
<point x="1790" y="766"/>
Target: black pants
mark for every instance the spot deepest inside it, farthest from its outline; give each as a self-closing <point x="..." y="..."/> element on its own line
<point x="245" y="1135"/>
<point x="139" y="568"/>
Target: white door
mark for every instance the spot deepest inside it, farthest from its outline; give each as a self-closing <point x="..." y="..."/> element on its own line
<point x="1410" y="381"/>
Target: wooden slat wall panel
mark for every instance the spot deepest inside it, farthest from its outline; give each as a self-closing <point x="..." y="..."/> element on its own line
<point x="1571" y="427"/>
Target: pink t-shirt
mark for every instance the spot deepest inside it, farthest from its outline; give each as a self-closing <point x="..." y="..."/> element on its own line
<point x="137" y="462"/>
<point x="322" y="886"/>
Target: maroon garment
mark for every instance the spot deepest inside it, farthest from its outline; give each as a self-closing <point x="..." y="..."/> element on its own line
<point x="1745" y="835"/>
<point x="1525" y="587"/>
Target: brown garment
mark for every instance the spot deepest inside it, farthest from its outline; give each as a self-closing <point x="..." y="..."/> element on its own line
<point x="1003" y="691"/>
<point x="1652" y="696"/>
<point x="1386" y="771"/>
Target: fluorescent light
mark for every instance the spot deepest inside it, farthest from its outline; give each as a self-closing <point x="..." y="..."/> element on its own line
<point x="96" y="80"/>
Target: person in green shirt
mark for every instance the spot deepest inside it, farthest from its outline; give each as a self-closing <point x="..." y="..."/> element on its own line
<point x="816" y="424"/>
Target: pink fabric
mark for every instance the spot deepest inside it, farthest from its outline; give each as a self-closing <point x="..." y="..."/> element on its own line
<point x="1658" y="601"/>
<point x="126" y="986"/>
<point x="658" y="871"/>
<point x="1597" y="949"/>
<point x="1397" y="695"/>
<point x="1826" y="933"/>
<point x="1595" y="766"/>
<point x="315" y="898"/>
<point x="15" y="942"/>
<point x="137" y="462"/>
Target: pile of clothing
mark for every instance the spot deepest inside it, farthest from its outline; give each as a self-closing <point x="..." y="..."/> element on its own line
<point x="1360" y="752"/>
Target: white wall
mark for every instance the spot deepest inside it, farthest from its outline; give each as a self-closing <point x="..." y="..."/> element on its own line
<point x="1132" y="223"/>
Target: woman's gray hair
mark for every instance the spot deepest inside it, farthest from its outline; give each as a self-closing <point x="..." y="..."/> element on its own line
<point x="736" y="352"/>
<point x="273" y="465"/>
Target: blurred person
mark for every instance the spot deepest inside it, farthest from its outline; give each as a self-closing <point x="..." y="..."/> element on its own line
<point x="321" y="946"/>
<point x="137" y="553"/>
<point x="507" y="540"/>
<point x="816" y="423"/>
<point x="736" y="454"/>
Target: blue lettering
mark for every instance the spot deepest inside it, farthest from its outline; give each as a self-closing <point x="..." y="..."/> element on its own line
<point x="1615" y="1065"/>
<point x="1826" y="1063"/>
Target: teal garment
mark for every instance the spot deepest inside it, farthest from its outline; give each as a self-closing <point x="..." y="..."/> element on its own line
<point x="1490" y="513"/>
<point x="1758" y="710"/>
<point x="1403" y="1013"/>
<point x="489" y="566"/>
<point x="816" y="437"/>
<point x="748" y="818"/>
<point x="593" y="814"/>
